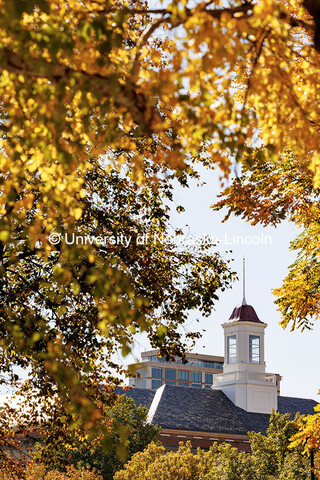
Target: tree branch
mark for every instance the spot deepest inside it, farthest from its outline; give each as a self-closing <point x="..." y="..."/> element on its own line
<point x="143" y="40"/>
<point x="124" y="96"/>
<point x="258" y="49"/>
<point x="313" y="8"/>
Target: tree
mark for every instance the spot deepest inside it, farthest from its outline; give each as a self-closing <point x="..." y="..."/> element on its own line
<point x="127" y="434"/>
<point x="34" y="472"/>
<point x="153" y="463"/>
<point x="44" y="437"/>
<point x="308" y="436"/>
<point x="271" y="459"/>
<point x="65" y="321"/>
<point x="232" y="465"/>
<point x="272" y="455"/>
<point x="153" y="90"/>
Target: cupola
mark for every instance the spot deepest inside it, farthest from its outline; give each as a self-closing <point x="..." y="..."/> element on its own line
<point x="244" y="379"/>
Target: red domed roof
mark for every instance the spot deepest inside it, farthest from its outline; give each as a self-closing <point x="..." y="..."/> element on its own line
<point x="244" y="313"/>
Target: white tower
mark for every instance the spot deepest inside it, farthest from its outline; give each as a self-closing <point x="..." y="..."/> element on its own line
<point x="244" y="379"/>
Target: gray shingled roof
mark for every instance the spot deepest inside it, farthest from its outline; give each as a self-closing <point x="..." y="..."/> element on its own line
<point x="294" y="405"/>
<point x="203" y="410"/>
<point x="141" y="396"/>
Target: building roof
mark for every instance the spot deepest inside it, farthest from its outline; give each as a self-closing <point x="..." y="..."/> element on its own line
<point x="244" y="313"/>
<point x="189" y="355"/>
<point x="141" y="396"/>
<point x="206" y="410"/>
<point x="293" y="405"/>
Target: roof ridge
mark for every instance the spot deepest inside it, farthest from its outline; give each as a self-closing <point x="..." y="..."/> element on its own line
<point x="155" y="403"/>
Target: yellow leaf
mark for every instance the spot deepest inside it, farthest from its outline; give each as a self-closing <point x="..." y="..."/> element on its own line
<point x="77" y="213"/>
<point x="4" y="235"/>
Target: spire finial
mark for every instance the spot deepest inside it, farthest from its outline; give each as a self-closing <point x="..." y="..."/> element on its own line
<point x="244" y="302"/>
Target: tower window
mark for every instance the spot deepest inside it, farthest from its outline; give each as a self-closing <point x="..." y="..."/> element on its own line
<point x="254" y="349"/>
<point x="232" y="348"/>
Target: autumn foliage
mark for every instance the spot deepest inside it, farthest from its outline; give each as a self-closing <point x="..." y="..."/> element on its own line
<point x="271" y="458"/>
<point x="103" y="106"/>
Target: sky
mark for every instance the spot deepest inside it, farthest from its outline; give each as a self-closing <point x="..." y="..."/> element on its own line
<point x="294" y="355"/>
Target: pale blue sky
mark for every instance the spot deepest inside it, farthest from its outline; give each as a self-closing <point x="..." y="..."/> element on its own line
<point x="294" y="355"/>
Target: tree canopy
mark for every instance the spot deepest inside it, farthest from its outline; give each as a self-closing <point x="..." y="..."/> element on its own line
<point x="109" y="102"/>
<point x="64" y="321"/>
<point x="271" y="458"/>
<point x="41" y="435"/>
<point x="126" y="433"/>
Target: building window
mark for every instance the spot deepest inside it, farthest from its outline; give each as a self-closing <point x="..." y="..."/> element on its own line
<point x="183" y="384"/>
<point x="207" y="386"/>
<point x="170" y="382"/>
<point x="197" y="377"/>
<point x="141" y="383"/>
<point x="196" y="385"/>
<point x="209" y="378"/>
<point x="205" y="363"/>
<point x="218" y="366"/>
<point x="183" y="375"/>
<point x="254" y="349"/>
<point x="142" y="372"/>
<point x="169" y="374"/>
<point x="156" y="373"/>
<point x="232" y="348"/>
<point x="154" y="358"/>
<point x="155" y="384"/>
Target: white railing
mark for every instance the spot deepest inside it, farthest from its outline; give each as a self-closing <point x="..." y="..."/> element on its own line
<point x="223" y="378"/>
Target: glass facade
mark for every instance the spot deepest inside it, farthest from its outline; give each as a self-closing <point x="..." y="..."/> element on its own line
<point x="141" y="383"/>
<point x="142" y="372"/>
<point x="254" y="349"/>
<point x="155" y="384"/>
<point x="189" y="374"/>
<point x="194" y="362"/>
<point x="232" y="348"/>
<point x="183" y="384"/>
<point x="169" y="374"/>
<point x="197" y="377"/>
<point x="183" y="375"/>
<point x="205" y="364"/>
<point x="156" y="372"/>
<point x="154" y="358"/>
